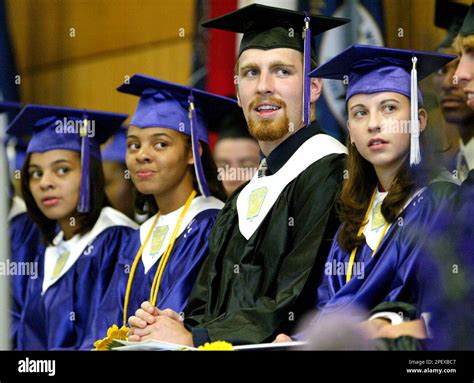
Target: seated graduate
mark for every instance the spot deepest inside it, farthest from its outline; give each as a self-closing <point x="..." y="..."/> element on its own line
<point x="464" y="45"/>
<point x="236" y="152"/>
<point x="25" y="237"/>
<point x="62" y="185"/>
<point x="448" y="262"/>
<point x="391" y="196"/>
<point x="171" y="166"/>
<point x="458" y="124"/>
<point x="272" y="237"/>
<point x="118" y="185"/>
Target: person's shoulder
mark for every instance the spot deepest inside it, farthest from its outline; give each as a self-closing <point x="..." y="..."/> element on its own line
<point x="442" y="190"/>
<point x="111" y="217"/>
<point x="24" y="223"/>
<point x="206" y="216"/>
<point x="236" y="192"/>
<point x="333" y="156"/>
<point x="113" y="223"/>
<point x="466" y="190"/>
<point x="429" y="204"/>
<point x="333" y="161"/>
<point x="326" y="171"/>
<point x="230" y="205"/>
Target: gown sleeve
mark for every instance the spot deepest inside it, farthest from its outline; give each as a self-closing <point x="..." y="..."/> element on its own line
<point x="111" y="243"/>
<point x="445" y="272"/>
<point x="186" y="262"/>
<point x="26" y="242"/>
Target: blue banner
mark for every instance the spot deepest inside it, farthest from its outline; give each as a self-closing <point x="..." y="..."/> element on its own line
<point x="8" y="88"/>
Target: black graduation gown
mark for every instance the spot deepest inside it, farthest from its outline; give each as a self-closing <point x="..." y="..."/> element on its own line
<point x="249" y="291"/>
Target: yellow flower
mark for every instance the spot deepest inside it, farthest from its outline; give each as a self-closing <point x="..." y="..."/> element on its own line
<point x="101" y="344"/>
<point x="216" y="346"/>
<point x="113" y="333"/>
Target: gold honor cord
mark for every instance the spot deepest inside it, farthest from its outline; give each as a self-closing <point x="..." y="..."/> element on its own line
<point x="361" y="230"/>
<point x="161" y="266"/>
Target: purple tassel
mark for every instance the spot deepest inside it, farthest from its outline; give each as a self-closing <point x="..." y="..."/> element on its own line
<point x="84" y="195"/>
<point x="307" y="69"/>
<point x="201" y="179"/>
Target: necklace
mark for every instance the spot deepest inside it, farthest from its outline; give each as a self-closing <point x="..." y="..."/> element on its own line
<point x="163" y="261"/>
<point x="361" y="230"/>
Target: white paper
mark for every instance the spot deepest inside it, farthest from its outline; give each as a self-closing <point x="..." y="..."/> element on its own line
<point x="150" y="345"/>
<point x="154" y="345"/>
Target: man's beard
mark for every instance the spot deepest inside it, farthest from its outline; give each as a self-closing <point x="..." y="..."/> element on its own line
<point x="458" y="117"/>
<point x="263" y="129"/>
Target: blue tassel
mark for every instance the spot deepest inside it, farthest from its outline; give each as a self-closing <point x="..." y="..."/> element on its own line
<point x="201" y="179"/>
<point x="306" y="70"/>
<point x="84" y="194"/>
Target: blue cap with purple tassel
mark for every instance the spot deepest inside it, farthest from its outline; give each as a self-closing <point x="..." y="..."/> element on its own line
<point x="186" y="110"/>
<point x="78" y="130"/>
<point x="372" y="69"/>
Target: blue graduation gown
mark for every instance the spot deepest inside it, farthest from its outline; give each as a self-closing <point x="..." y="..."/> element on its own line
<point x="189" y="252"/>
<point x="391" y="274"/>
<point x="25" y="243"/>
<point x="446" y="271"/>
<point x="60" y="317"/>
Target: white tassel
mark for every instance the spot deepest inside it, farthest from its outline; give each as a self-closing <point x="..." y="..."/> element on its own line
<point x="415" y="155"/>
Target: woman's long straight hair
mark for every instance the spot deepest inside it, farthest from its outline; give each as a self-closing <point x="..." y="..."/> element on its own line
<point x="361" y="181"/>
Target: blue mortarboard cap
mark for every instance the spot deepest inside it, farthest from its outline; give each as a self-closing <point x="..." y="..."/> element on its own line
<point x="15" y="146"/>
<point x="16" y="152"/>
<point x="165" y="104"/>
<point x="181" y="108"/>
<point x="116" y="149"/>
<point x="9" y="106"/>
<point x="266" y="27"/>
<point x="371" y="69"/>
<point x="78" y="130"/>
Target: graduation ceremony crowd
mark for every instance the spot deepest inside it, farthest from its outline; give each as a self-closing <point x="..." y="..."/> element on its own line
<point x="138" y="233"/>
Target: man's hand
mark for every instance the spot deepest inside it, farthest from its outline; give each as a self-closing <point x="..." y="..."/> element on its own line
<point x="371" y="328"/>
<point x="382" y="328"/>
<point x="144" y="316"/>
<point x="413" y="328"/>
<point x="280" y="338"/>
<point x="150" y="322"/>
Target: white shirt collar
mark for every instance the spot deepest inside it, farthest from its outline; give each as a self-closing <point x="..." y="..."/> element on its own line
<point x="468" y="152"/>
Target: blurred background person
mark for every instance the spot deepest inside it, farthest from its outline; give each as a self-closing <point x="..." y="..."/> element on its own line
<point x="448" y="264"/>
<point x="458" y="117"/>
<point x="118" y="186"/>
<point x="236" y="153"/>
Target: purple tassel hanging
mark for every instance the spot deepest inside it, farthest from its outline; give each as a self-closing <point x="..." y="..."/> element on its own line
<point x="201" y="179"/>
<point x="307" y="69"/>
<point x="84" y="195"/>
